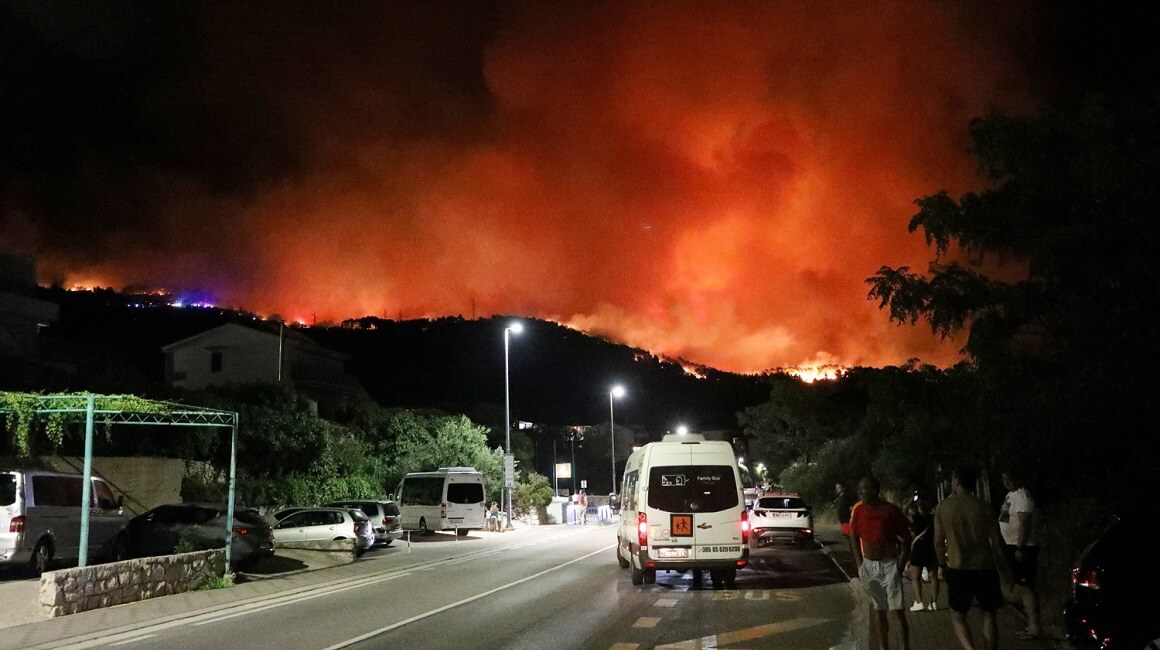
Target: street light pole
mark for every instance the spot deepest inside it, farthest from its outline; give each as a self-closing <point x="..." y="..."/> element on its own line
<point x="509" y="481"/>
<point x="617" y="391"/>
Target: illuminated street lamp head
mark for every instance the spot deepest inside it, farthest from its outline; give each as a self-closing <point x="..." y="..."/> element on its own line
<point x="515" y="327"/>
<point x="682" y="430"/>
<point x="617" y="391"/>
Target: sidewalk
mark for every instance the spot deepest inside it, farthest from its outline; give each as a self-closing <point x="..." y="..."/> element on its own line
<point x="933" y="630"/>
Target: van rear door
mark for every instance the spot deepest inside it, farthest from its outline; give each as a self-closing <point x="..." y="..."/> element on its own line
<point x="701" y="504"/>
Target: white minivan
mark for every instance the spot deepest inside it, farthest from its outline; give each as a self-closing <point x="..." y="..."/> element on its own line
<point x="40" y="518"/>
<point x="450" y="498"/>
<point x="682" y="509"/>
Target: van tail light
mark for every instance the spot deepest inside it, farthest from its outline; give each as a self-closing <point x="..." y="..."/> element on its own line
<point x="16" y="525"/>
<point x="642" y="529"/>
<point x="240" y="530"/>
<point x="1088" y="578"/>
<point x="744" y="527"/>
<point x="443" y="510"/>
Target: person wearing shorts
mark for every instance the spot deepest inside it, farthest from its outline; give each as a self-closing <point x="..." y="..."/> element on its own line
<point x="880" y="542"/>
<point x="1017" y="525"/>
<point x="968" y="546"/>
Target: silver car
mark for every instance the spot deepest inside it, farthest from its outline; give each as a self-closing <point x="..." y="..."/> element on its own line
<point x="384" y="516"/>
<point x="326" y="524"/>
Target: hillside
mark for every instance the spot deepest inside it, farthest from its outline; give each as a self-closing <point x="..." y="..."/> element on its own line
<point x="558" y="376"/>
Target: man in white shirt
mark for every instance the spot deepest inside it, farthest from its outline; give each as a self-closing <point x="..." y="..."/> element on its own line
<point x="1017" y="521"/>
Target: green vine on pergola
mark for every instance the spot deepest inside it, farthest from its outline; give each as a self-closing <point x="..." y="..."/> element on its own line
<point x="26" y="413"/>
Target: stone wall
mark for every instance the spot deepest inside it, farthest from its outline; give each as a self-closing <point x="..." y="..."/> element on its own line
<point x="69" y="591"/>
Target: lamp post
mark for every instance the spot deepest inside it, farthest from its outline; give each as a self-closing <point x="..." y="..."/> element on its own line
<point x="617" y="391"/>
<point x="508" y="479"/>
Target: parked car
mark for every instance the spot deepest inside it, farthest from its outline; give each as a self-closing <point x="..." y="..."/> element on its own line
<point x="384" y="516"/>
<point x="326" y="524"/>
<point x="172" y="527"/>
<point x="40" y="518"/>
<point x="782" y="516"/>
<point x="1114" y="600"/>
<point x="279" y="515"/>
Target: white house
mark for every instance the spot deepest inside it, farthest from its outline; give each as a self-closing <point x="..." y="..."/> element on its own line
<point x="238" y="354"/>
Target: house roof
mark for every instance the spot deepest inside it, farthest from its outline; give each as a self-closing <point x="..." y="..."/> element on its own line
<point x="261" y="328"/>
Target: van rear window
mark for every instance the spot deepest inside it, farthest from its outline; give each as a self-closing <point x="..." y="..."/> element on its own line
<point x="465" y="492"/>
<point x="7" y="489"/>
<point x="692" y="488"/>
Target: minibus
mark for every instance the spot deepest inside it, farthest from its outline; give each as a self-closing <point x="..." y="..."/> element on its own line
<point x="450" y="498"/>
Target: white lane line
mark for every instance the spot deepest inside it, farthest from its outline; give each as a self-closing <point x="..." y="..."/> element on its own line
<point x="209" y="617"/>
<point x="291" y="601"/>
<point x="665" y="602"/>
<point x="419" y="617"/>
<point x="647" y="621"/>
<point x="135" y="639"/>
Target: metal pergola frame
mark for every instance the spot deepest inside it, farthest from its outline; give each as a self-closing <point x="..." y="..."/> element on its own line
<point x="168" y="414"/>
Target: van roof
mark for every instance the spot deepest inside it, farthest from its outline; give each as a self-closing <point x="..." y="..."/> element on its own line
<point x="683" y="437"/>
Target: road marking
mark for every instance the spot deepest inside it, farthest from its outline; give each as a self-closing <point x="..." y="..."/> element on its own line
<point x="746" y="634"/>
<point x="289" y="601"/>
<point x="135" y="639"/>
<point x="647" y="621"/>
<point x="419" y="617"/>
<point x="624" y="646"/>
<point x="666" y="602"/>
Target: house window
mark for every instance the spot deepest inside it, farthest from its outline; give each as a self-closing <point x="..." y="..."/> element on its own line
<point x="215" y="361"/>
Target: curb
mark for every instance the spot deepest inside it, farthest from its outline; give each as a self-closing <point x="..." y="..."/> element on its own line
<point x="859" y="631"/>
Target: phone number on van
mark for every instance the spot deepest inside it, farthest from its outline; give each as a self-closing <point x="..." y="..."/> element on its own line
<point x="720" y="549"/>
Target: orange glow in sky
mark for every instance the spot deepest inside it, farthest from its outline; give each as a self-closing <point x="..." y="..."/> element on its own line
<point x="710" y="181"/>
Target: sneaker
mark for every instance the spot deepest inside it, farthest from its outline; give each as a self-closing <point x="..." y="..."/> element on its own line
<point x="932" y="607"/>
<point x="917" y="607"/>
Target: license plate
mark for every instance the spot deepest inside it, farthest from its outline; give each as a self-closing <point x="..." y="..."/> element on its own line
<point x="785" y="515"/>
<point x="671" y="552"/>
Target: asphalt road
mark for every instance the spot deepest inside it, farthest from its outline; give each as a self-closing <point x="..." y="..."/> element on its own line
<point x="557" y="587"/>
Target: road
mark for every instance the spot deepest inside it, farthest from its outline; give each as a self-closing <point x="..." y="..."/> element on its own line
<point x="541" y="587"/>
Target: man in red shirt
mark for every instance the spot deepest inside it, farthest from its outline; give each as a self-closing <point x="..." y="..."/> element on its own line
<point x="880" y="540"/>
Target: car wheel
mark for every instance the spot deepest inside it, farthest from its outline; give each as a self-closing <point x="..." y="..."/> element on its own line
<point x="423" y="529"/>
<point x="637" y="576"/>
<point x="121" y="549"/>
<point x="730" y="578"/>
<point x="41" y="559"/>
<point x="717" y="578"/>
<point x="462" y="532"/>
<point x="650" y="577"/>
<point x="620" y="560"/>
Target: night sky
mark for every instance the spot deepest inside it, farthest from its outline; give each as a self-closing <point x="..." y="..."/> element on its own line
<point x="709" y="180"/>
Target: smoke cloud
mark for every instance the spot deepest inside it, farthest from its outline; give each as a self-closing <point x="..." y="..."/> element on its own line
<point x="712" y="181"/>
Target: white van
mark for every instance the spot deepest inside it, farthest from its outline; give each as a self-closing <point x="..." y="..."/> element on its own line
<point x="40" y="518"/>
<point x="450" y="498"/>
<point x="682" y="508"/>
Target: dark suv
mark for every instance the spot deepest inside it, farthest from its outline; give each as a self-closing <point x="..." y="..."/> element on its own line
<point x="1115" y="600"/>
<point x="166" y="529"/>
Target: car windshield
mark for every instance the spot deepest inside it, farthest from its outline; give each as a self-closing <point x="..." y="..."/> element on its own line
<point x="692" y="488"/>
<point x="781" y="503"/>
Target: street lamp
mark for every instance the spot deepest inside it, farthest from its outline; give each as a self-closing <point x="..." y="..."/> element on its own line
<point x="617" y="391"/>
<point x="682" y="430"/>
<point x="508" y="465"/>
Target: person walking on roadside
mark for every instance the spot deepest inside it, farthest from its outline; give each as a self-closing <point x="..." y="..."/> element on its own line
<point x="843" y="503"/>
<point x="922" y="555"/>
<point x="583" y="502"/>
<point x="966" y="534"/>
<point x="880" y="543"/>
<point x="1017" y="521"/>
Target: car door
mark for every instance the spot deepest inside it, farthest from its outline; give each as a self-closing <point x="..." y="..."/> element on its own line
<point x="294" y="527"/>
<point x="156" y="532"/>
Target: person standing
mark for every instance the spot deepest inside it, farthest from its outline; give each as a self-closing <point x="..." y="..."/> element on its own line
<point x="966" y="534"/>
<point x="880" y="542"/>
<point x="843" y="504"/>
<point x="1017" y="521"/>
<point x="922" y="555"/>
<point x="583" y="507"/>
